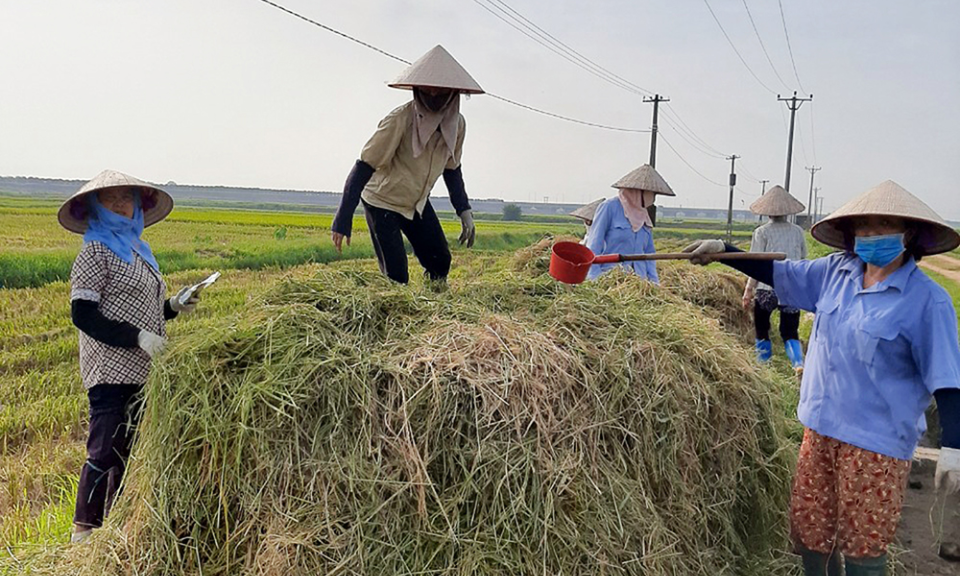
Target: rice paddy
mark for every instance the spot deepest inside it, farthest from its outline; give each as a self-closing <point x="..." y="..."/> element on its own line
<point x="323" y="420"/>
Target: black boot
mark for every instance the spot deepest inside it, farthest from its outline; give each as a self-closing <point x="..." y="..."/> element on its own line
<point x="867" y="566"/>
<point x="818" y="564"/>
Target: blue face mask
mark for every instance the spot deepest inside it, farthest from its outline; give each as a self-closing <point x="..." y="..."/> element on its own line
<point x="879" y="250"/>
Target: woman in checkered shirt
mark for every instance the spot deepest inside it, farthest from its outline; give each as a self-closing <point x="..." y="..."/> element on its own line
<point x="118" y="303"/>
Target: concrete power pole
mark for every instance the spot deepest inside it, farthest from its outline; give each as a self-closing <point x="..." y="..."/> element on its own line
<point x="816" y="200"/>
<point x="819" y="208"/>
<point x="793" y="103"/>
<point x="763" y="187"/>
<point x="657" y="99"/>
<point x="813" y="170"/>
<point x="733" y="183"/>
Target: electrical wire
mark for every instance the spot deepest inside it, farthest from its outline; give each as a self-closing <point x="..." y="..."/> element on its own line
<point x="668" y="110"/>
<point x="530" y="25"/>
<point x="690" y="166"/>
<point x="399" y="59"/>
<point x="691" y="142"/>
<point x="539" y="38"/>
<point x="783" y="18"/>
<point x="762" y="46"/>
<point x="727" y="36"/>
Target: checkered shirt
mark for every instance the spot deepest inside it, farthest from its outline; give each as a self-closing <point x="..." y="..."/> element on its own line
<point x="779" y="237"/>
<point x="131" y="293"/>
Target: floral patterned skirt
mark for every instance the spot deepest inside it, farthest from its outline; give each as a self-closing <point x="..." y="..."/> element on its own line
<point x="845" y="498"/>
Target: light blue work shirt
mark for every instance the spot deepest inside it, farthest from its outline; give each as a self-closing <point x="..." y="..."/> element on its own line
<point x="611" y="233"/>
<point x="875" y="356"/>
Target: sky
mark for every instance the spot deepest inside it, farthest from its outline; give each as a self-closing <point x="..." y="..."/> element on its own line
<point x="238" y="93"/>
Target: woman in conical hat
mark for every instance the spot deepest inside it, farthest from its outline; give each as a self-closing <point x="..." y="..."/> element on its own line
<point x="777" y="235"/>
<point x="117" y="302"/>
<point x="883" y="344"/>
<point x="624" y="224"/>
<point x="413" y="146"/>
<point x="587" y="213"/>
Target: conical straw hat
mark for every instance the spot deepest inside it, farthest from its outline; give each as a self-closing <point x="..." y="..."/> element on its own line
<point x="645" y="178"/>
<point x="588" y="211"/>
<point x="776" y="202"/>
<point x="156" y="203"/>
<point x="889" y="199"/>
<point x="437" y="69"/>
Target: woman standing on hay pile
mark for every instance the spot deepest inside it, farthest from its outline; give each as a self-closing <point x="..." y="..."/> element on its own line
<point x="117" y="302"/>
<point x="401" y="162"/>
<point x="884" y="341"/>
<point x="777" y="235"/>
<point x="624" y="225"/>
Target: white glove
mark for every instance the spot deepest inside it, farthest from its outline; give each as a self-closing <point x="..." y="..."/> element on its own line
<point x="702" y="250"/>
<point x="468" y="232"/>
<point x="151" y="343"/>
<point x="184" y="301"/>
<point x="948" y="471"/>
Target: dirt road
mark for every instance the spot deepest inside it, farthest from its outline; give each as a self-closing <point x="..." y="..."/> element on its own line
<point x="946" y="266"/>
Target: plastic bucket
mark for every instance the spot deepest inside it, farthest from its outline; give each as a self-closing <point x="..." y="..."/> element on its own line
<point x="570" y="262"/>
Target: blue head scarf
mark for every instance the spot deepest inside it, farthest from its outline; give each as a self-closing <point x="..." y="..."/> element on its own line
<point x="119" y="233"/>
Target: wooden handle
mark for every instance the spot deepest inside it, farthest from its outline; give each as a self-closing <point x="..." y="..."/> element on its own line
<point x="608" y="258"/>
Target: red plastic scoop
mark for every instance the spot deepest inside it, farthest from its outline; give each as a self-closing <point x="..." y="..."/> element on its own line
<point x="570" y="262"/>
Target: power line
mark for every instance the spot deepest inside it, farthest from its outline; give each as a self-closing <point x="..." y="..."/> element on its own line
<point x="684" y="160"/>
<point x="558" y="49"/>
<point x="568" y="119"/>
<point x="337" y="32"/>
<point x="543" y="33"/>
<point x="783" y="18"/>
<point x="764" y="48"/>
<point x="399" y="59"/>
<point x="538" y="34"/>
<point x="727" y="36"/>
<point x="693" y="144"/>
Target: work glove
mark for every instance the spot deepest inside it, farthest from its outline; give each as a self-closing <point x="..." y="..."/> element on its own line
<point x="468" y="232"/>
<point x="702" y="250"/>
<point x="184" y="301"/>
<point x="151" y="343"/>
<point x="948" y="471"/>
<point x="748" y="294"/>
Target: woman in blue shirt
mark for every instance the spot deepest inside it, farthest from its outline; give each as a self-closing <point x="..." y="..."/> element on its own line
<point x="883" y="344"/>
<point x="624" y="225"/>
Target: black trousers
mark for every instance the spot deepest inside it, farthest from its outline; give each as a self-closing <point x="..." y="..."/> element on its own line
<point x="424" y="233"/>
<point x="114" y="414"/>
<point x="789" y="323"/>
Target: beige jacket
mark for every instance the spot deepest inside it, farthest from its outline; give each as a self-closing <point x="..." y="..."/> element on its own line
<point x="401" y="182"/>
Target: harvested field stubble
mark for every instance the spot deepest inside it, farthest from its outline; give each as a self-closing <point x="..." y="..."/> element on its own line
<point x="346" y="425"/>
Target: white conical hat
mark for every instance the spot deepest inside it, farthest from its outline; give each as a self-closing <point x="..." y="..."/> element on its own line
<point x="588" y="211"/>
<point x="889" y="199"/>
<point x="645" y="178"/>
<point x="156" y="203"/>
<point x="776" y="202"/>
<point x="437" y="69"/>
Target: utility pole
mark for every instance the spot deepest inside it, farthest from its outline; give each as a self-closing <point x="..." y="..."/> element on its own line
<point x="813" y="170"/>
<point x="657" y="99"/>
<point x="816" y="200"/>
<point x="819" y="208"/>
<point x="793" y="103"/>
<point x="763" y="187"/>
<point x="733" y="183"/>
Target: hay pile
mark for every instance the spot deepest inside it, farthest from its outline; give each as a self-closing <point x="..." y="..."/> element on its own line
<point x="508" y="425"/>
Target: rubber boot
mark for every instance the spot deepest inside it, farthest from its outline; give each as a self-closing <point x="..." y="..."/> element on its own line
<point x="764" y="350"/>
<point x="818" y="564"/>
<point x="867" y="566"/>
<point x="794" y="353"/>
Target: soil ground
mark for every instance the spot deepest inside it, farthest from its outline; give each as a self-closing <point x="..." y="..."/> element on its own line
<point x="915" y="535"/>
<point x="943" y="265"/>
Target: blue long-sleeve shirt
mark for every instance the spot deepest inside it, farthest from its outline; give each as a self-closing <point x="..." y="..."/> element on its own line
<point x="611" y="233"/>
